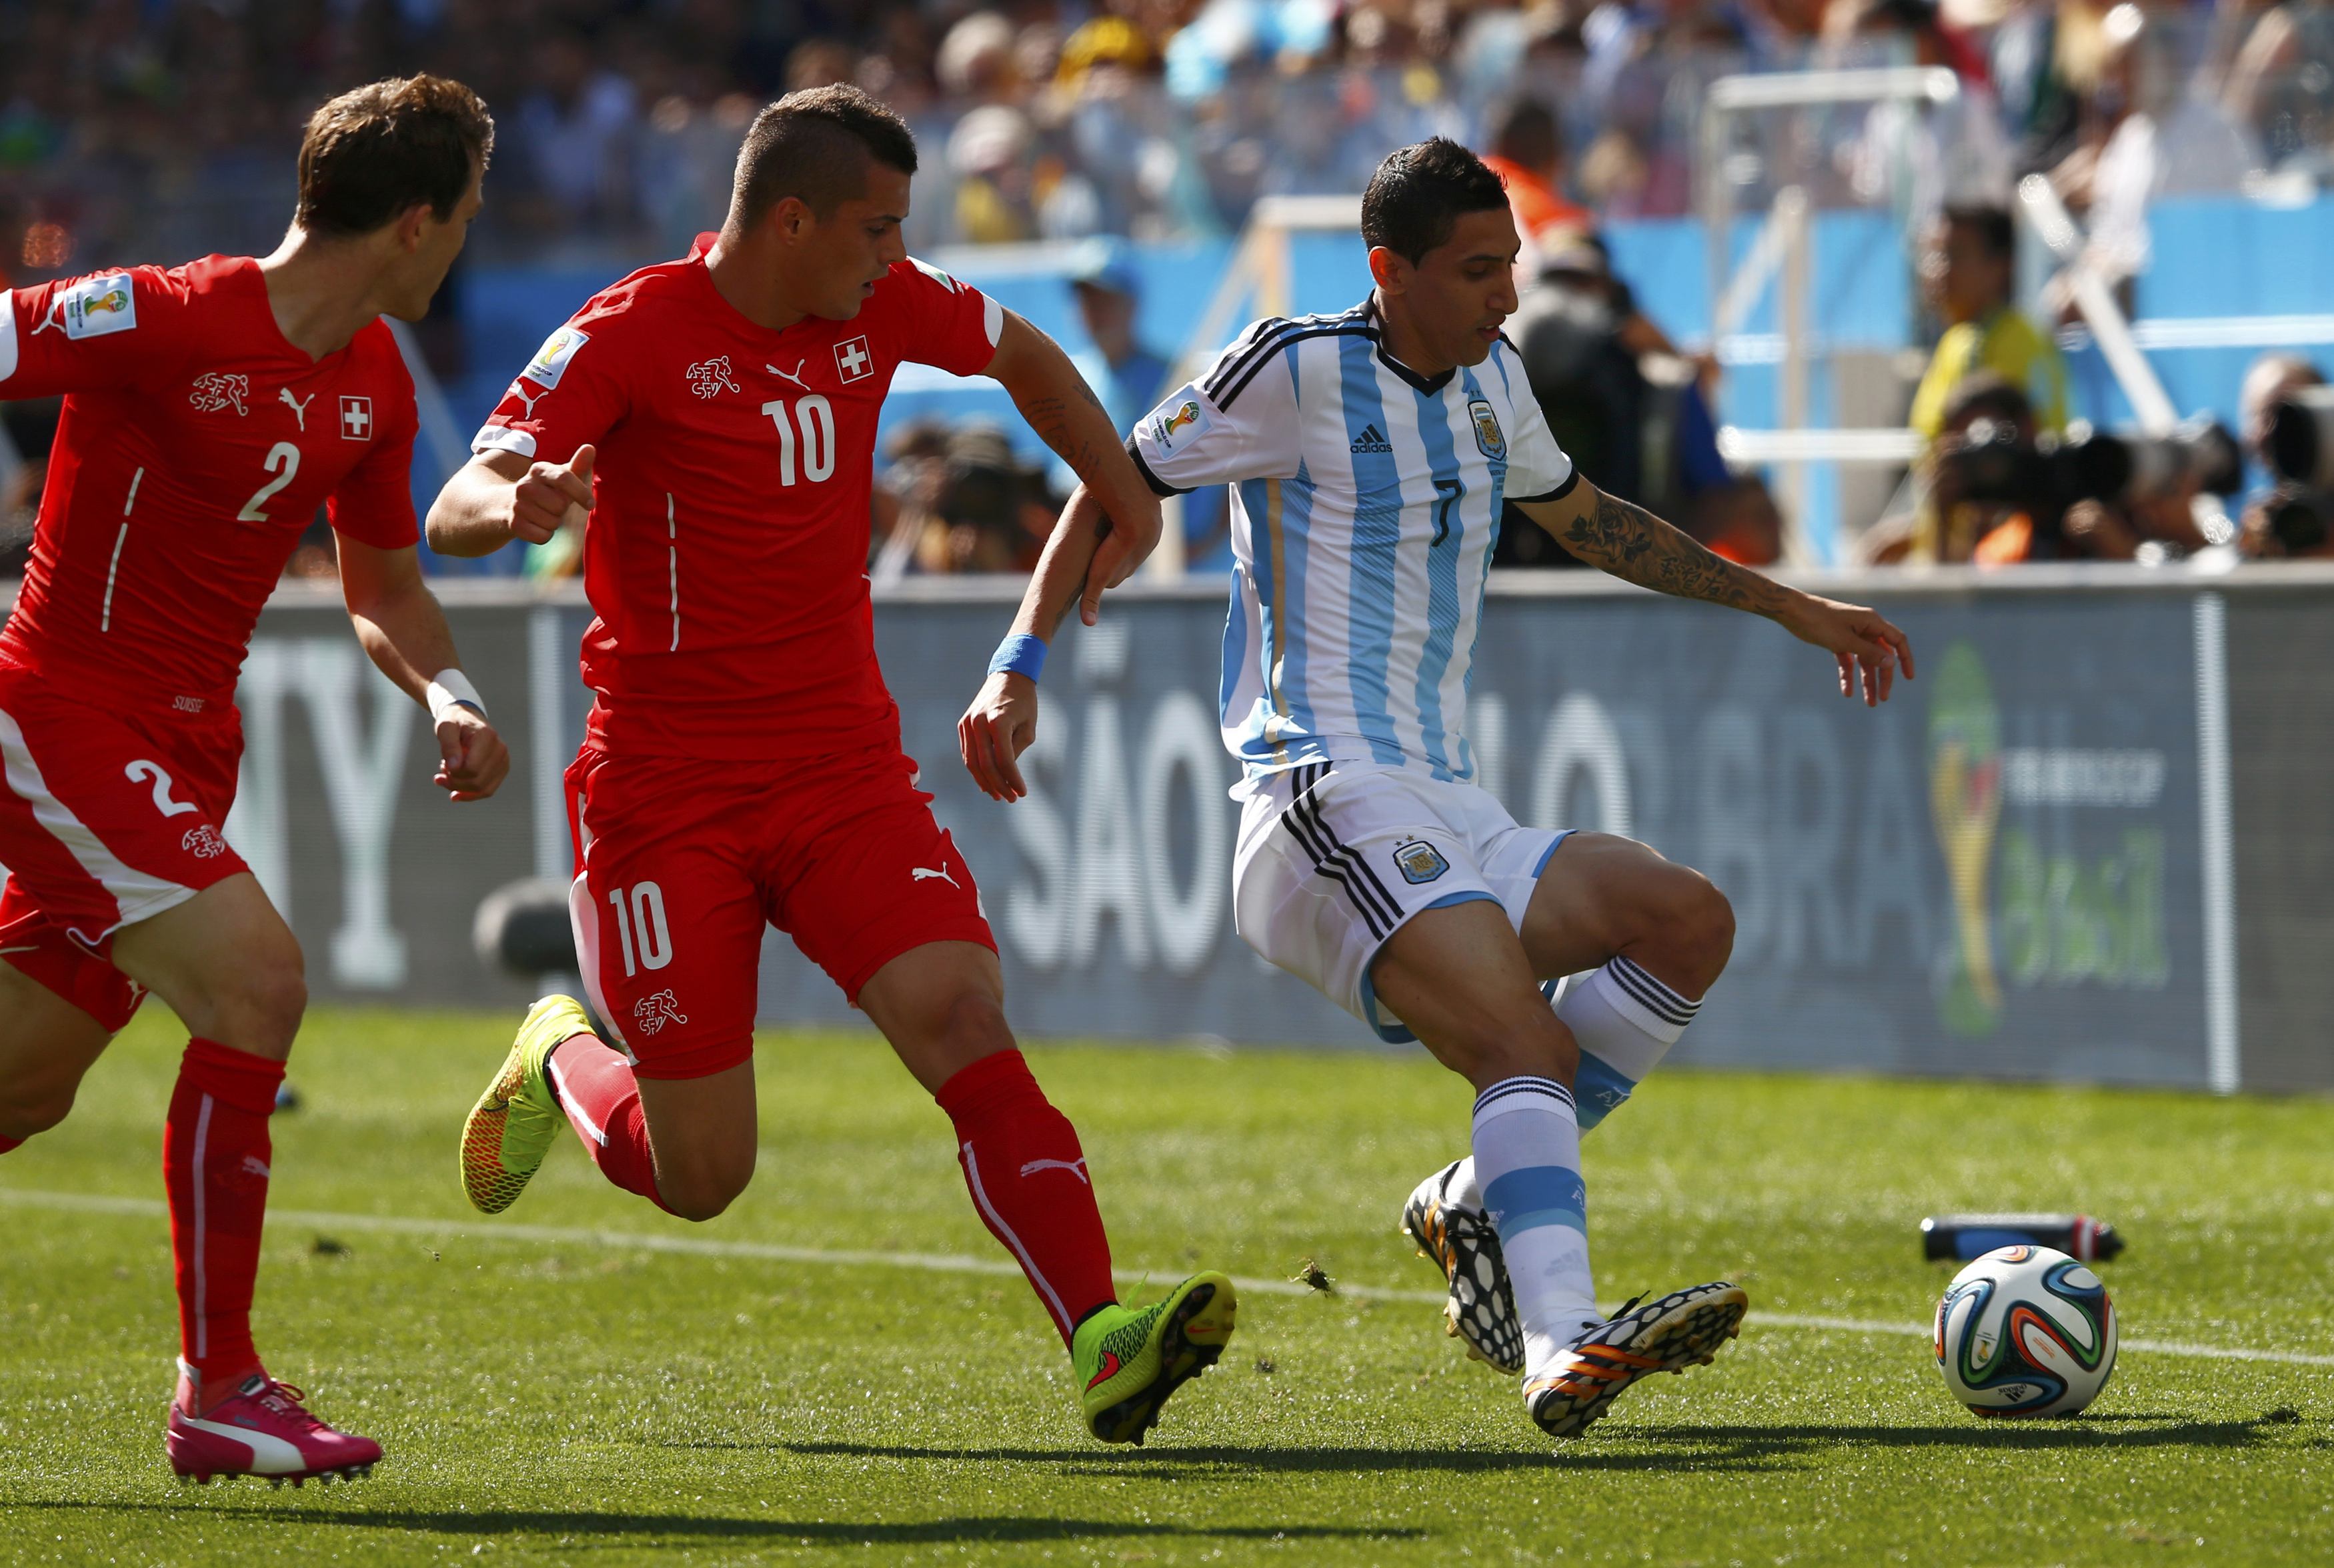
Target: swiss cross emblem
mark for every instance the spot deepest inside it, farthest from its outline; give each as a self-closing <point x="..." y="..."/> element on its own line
<point x="853" y="360"/>
<point x="356" y="419"/>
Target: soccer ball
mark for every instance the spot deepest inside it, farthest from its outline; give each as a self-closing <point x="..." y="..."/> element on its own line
<point x="2026" y="1331"/>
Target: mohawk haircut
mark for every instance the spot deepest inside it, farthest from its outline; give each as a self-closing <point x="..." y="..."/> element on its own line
<point x="1419" y="194"/>
<point x="813" y="146"/>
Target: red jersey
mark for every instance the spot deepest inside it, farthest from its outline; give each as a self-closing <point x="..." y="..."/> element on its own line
<point x="726" y="556"/>
<point x="196" y="445"/>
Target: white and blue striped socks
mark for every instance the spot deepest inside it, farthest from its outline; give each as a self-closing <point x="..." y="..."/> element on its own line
<point x="1527" y="1162"/>
<point x="1625" y="1022"/>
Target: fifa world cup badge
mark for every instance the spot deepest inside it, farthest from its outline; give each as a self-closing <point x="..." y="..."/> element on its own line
<point x="99" y="306"/>
<point x="1489" y="438"/>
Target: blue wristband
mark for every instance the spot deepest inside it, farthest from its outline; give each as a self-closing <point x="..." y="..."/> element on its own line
<point x="1019" y="654"/>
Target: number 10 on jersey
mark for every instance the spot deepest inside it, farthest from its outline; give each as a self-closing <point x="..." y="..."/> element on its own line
<point x="815" y="420"/>
<point x="647" y="941"/>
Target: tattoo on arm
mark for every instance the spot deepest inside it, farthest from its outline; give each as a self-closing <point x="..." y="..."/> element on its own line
<point x="1637" y="546"/>
<point x="1050" y="417"/>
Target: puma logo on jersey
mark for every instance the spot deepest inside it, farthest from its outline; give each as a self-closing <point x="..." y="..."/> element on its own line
<point x="650" y="1013"/>
<point x="255" y="1165"/>
<point x="794" y="375"/>
<point x="710" y="378"/>
<point x="299" y="406"/>
<point x="518" y="390"/>
<point x="215" y="391"/>
<point x="1077" y="1167"/>
<point x="926" y="874"/>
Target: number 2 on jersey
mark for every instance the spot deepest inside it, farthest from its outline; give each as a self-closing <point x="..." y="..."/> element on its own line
<point x="642" y="913"/>
<point x="817" y="418"/>
<point x="141" y="771"/>
<point x="283" y="462"/>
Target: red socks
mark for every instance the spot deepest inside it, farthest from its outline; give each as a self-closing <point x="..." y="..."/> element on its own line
<point x="1020" y="1156"/>
<point x="603" y="1101"/>
<point x="215" y="1153"/>
<point x="1028" y="1182"/>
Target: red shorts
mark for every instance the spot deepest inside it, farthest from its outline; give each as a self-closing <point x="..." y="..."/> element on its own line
<point x="685" y="861"/>
<point x="108" y="817"/>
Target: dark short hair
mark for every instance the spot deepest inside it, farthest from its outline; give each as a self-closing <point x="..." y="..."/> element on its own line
<point x="1991" y="225"/>
<point x="811" y="146"/>
<point x="1419" y="193"/>
<point x="1525" y="130"/>
<point x="1987" y="395"/>
<point x="376" y="151"/>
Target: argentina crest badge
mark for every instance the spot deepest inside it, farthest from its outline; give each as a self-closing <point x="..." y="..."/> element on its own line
<point x="1489" y="439"/>
<point x="1419" y="862"/>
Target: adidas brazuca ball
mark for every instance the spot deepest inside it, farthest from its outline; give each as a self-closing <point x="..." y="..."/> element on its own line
<point x="2025" y="1331"/>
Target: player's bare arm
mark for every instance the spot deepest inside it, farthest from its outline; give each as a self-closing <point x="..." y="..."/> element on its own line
<point x="1639" y="547"/>
<point x="498" y="496"/>
<point x="1002" y="721"/>
<point x="1110" y="526"/>
<point x="403" y="629"/>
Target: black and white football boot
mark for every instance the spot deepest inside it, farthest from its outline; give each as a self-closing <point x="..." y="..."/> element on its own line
<point x="1685" y="1327"/>
<point x="1459" y="1239"/>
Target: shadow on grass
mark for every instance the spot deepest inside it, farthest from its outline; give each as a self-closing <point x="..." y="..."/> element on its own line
<point x="1732" y="1448"/>
<point x="633" y="1527"/>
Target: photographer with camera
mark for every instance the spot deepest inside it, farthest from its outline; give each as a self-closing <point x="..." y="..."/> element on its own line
<point x="2288" y="419"/>
<point x="1997" y="491"/>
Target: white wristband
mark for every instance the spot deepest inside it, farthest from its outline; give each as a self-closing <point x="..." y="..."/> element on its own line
<point x="452" y="689"/>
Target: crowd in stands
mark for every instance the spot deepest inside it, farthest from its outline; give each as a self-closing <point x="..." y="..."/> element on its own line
<point x="161" y="127"/>
<point x="165" y="128"/>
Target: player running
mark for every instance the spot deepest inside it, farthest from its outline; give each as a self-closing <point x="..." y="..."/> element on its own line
<point x="742" y="766"/>
<point x="209" y="410"/>
<point x="1371" y="453"/>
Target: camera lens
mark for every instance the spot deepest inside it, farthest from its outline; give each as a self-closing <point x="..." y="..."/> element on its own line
<point x="2301" y="437"/>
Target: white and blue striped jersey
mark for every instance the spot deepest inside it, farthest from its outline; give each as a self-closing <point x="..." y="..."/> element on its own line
<point x="1366" y="502"/>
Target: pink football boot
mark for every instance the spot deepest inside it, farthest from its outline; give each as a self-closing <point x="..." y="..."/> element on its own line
<point x="261" y="1430"/>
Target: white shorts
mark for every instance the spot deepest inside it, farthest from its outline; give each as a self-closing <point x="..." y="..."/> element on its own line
<point x="1334" y="858"/>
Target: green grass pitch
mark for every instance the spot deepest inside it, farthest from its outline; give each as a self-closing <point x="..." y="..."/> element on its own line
<point x="550" y="1397"/>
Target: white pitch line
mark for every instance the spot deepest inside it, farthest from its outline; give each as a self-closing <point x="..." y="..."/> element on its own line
<point x="957" y="1263"/>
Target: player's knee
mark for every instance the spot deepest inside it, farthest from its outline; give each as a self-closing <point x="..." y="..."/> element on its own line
<point x="1701" y="924"/>
<point x="976" y="1025"/>
<point x="29" y="1109"/>
<point x="702" y="1186"/>
<point x="703" y="1196"/>
<point x="259" y="1007"/>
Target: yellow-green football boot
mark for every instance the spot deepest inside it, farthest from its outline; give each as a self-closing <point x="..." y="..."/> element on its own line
<point x="1130" y="1358"/>
<point x="512" y="1126"/>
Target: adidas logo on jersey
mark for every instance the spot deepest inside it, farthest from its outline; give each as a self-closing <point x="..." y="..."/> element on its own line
<point x="1372" y="440"/>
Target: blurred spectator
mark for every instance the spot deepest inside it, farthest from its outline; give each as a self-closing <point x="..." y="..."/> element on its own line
<point x="1967" y="271"/>
<point x="1527" y="152"/>
<point x="955" y="500"/>
<point x="1918" y="159"/>
<point x="1617" y="398"/>
<point x="1127" y="374"/>
<point x="1740" y="520"/>
<point x="2269" y="382"/>
<point x="2140" y="137"/>
<point x="575" y="130"/>
<point x="2282" y="86"/>
<point x="2281" y="519"/>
